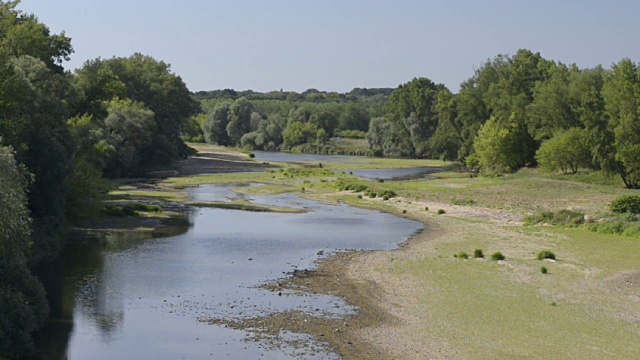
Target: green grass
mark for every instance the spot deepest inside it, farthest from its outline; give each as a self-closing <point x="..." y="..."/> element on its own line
<point x="487" y="310"/>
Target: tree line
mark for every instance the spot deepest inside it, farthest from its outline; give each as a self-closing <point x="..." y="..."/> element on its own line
<point x="517" y="111"/>
<point x="61" y="135"/>
<point x="280" y="120"/>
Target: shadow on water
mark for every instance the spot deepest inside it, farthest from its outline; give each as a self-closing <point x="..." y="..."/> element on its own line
<point x="129" y="296"/>
<point x="72" y="280"/>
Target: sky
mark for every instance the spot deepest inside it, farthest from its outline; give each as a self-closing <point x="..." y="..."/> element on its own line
<point x="336" y="45"/>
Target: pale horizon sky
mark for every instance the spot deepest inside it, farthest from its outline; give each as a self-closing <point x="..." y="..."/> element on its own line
<point x="333" y="45"/>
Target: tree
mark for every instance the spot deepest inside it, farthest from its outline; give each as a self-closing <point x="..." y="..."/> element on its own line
<point x="239" y="119"/>
<point x="215" y="127"/>
<point x="354" y="117"/>
<point x="24" y="307"/>
<point x="496" y="148"/>
<point x="566" y="151"/>
<point x="145" y="80"/>
<point x="33" y="117"/>
<point x="130" y="128"/>
<point x="23" y="35"/>
<point x="622" y="98"/>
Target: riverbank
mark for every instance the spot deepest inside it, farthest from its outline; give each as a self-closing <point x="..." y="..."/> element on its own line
<point x="422" y="302"/>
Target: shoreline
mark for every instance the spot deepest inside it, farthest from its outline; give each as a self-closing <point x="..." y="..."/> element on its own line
<point x="418" y="301"/>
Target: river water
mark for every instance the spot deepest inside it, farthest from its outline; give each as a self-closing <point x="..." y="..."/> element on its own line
<point x="139" y="297"/>
<point x="398" y="174"/>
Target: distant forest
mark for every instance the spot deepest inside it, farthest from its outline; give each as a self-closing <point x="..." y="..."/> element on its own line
<point x="513" y="112"/>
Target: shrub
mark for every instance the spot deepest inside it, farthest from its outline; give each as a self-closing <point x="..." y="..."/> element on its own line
<point x="465" y="201"/>
<point x="440" y="212"/>
<point x="359" y="196"/>
<point x="252" y="155"/>
<point x="477" y="253"/>
<point x="404" y="211"/>
<point x="561" y="217"/>
<point x="145" y="207"/>
<point x="544" y="270"/>
<point x="546" y="254"/>
<point x="381" y="180"/>
<point x="497" y="256"/>
<point x="626" y="204"/>
<point x="463" y="255"/>
<point x="426" y="208"/>
<point x="385" y="198"/>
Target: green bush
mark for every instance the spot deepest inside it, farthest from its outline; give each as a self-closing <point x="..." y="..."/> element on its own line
<point x="440" y="212"/>
<point x="145" y="207"/>
<point x="561" y="217"/>
<point x="465" y="201"/>
<point x="626" y="204"/>
<point x="477" y="253"/>
<point x="544" y="270"/>
<point x="426" y="208"/>
<point x="497" y="256"/>
<point x="404" y="211"/>
<point x="462" y="255"/>
<point x="381" y="180"/>
<point x="546" y="254"/>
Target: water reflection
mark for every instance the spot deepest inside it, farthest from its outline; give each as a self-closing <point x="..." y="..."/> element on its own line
<point x="76" y="286"/>
<point x="400" y="174"/>
<point x="130" y="297"/>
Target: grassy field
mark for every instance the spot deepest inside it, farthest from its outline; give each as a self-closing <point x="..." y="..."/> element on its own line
<point x="587" y="305"/>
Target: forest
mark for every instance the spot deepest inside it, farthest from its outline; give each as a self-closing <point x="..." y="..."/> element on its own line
<point x="515" y="111"/>
<point x="64" y="133"/>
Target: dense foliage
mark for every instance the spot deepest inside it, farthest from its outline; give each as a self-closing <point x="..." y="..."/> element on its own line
<point x="282" y="120"/>
<point x="22" y="303"/>
<point x="64" y="133"/>
<point x="520" y="110"/>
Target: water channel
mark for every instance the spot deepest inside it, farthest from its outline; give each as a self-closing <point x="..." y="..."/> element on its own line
<point x="414" y="173"/>
<point x="139" y="297"/>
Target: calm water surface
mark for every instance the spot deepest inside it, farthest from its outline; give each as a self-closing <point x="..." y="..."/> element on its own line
<point x="132" y="297"/>
<point x="384" y="174"/>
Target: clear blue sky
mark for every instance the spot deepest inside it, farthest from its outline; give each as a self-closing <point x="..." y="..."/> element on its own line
<point x="340" y="44"/>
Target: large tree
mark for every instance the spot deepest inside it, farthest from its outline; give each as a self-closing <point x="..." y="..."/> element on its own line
<point x="23" y="306"/>
<point x="622" y="101"/>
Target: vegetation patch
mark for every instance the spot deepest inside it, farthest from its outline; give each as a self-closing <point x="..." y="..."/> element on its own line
<point x="627" y="204"/>
<point x="464" y="202"/>
<point x="497" y="256"/>
<point x="560" y="218"/>
<point x="546" y="254"/>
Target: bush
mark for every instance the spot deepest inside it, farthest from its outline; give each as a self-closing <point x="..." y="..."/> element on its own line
<point x="381" y="180"/>
<point x="462" y="255"/>
<point x="465" y="201"/>
<point x="561" y="217"/>
<point x="544" y="270"/>
<point x="440" y="212"/>
<point x="626" y="204"/>
<point x="477" y="253"/>
<point x="426" y="208"/>
<point x="145" y="207"/>
<point x="546" y="254"/>
<point x="497" y="256"/>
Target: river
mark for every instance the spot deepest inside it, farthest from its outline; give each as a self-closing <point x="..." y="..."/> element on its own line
<point x="138" y="297"/>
